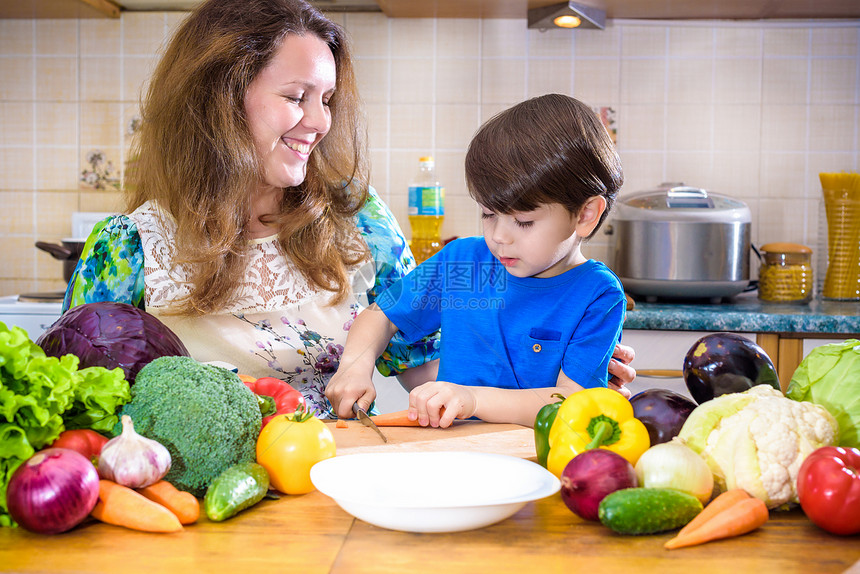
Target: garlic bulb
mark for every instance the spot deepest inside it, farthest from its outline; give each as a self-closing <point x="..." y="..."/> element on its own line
<point x="133" y="460"/>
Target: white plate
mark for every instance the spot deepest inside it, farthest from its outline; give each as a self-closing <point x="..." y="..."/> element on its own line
<point x="432" y="491"/>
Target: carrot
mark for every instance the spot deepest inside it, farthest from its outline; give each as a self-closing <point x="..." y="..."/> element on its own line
<point x="246" y="378"/>
<point x="122" y="506"/>
<point x="741" y="517"/>
<point x="183" y="504"/>
<point x="341" y="424"/>
<point x="717" y="505"/>
<point x="395" y="419"/>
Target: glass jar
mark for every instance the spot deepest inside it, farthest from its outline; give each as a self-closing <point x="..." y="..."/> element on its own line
<point x="786" y="273"/>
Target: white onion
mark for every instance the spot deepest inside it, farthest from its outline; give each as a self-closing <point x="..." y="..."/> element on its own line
<point x="675" y="465"/>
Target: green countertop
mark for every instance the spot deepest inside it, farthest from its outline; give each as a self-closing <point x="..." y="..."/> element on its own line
<point x="746" y="313"/>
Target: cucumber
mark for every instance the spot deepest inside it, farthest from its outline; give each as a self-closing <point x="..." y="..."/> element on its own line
<point x="647" y="510"/>
<point x="239" y="487"/>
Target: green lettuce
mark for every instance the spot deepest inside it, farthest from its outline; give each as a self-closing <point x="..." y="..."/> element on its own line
<point x="830" y="376"/>
<point x="41" y="396"/>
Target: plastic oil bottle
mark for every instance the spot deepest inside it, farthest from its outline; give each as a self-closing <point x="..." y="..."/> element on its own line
<point x="426" y="210"/>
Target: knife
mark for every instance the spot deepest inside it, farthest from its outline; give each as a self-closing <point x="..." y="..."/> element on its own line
<point x="366" y="420"/>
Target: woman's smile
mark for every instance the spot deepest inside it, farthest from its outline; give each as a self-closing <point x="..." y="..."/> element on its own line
<point x="287" y="107"/>
<point x="303" y="149"/>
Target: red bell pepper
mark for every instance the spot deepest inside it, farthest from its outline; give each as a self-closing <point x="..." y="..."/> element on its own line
<point x="85" y="441"/>
<point x="284" y="398"/>
<point x="828" y="486"/>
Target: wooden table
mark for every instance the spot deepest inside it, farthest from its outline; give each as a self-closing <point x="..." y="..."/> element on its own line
<point x="310" y="534"/>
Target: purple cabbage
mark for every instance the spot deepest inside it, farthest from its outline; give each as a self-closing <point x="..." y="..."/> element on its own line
<point x="107" y="334"/>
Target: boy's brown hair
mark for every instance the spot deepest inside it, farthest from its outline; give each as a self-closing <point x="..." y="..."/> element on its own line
<point x="549" y="149"/>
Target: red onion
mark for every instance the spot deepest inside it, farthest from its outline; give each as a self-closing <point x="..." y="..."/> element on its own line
<point x="590" y="476"/>
<point x="53" y="491"/>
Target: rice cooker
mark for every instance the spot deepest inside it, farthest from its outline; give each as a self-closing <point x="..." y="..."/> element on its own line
<point x="677" y="241"/>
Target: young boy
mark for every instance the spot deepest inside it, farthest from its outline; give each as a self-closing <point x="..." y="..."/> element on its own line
<point x="523" y="313"/>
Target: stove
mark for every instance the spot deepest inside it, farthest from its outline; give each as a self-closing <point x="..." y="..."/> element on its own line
<point x="33" y="317"/>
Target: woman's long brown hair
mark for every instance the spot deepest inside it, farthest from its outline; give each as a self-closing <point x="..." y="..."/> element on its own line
<point x="195" y="157"/>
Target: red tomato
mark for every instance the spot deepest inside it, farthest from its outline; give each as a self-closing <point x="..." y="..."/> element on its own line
<point x="828" y="486"/>
<point x="85" y="441"/>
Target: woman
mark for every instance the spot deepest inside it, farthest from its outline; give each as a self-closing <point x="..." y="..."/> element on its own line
<point x="251" y="229"/>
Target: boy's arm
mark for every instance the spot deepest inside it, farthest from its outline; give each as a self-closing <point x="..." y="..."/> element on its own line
<point x="490" y="404"/>
<point x="367" y="339"/>
<point x="519" y="406"/>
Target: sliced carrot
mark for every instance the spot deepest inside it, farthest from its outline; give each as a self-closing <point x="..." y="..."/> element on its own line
<point x="247" y="378"/>
<point x="341" y="424"/>
<point x="741" y="517"/>
<point x="122" y="506"/>
<point x="717" y="505"/>
<point x="395" y="419"/>
<point x="184" y="505"/>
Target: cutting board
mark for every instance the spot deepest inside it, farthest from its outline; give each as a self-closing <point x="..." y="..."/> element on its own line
<point x="472" y="436"/>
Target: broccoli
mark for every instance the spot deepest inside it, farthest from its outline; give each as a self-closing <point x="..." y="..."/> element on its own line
<point x="204" y="415"/>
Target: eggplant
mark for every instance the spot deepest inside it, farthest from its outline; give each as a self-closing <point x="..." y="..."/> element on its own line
<point x="723" y="363"/>
<point x="663" y="413"/>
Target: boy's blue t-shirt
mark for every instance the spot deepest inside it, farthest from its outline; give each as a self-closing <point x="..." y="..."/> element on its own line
<point x="509" y="332"/>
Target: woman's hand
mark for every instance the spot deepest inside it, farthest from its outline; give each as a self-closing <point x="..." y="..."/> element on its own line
<point x="620" y="371"/>
<point x="347" y="387"/>
<point x="438" y="403"/>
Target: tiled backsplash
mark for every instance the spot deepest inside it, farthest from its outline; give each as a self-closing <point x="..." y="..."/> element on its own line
<point x="748" y="109"/>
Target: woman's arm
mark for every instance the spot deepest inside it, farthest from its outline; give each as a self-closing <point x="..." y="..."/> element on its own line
<point x="352" y="383"/>
<point x="111" y="266"/>
<point x="393" y="259"/>
<point x="415" y="376"/>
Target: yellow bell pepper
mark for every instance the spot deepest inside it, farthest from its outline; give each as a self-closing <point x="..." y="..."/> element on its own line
<point x="595" y="418"/>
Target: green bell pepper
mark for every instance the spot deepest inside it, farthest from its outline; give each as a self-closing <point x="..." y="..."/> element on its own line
<point x="543" y="422"/>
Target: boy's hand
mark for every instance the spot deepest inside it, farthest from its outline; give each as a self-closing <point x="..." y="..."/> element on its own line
<point x="438" y="403"/>
<point x="348" y="387"/>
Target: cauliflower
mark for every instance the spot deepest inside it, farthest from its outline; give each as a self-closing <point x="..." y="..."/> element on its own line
<point x="757" y="440"/>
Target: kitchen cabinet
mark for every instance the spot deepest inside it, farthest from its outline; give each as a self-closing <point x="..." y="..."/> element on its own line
<point x="635" y="9"/>
<point x="660" y="355"/>
<point x="662" y="333"/>
<point x="59" y="9"/>
<point x="667" y="10"/>
<point x="660" y="352"/>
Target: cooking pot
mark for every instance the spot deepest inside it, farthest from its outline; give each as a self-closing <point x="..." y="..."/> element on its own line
<point x="69" y="252"/>
<point x="678" y="241"/>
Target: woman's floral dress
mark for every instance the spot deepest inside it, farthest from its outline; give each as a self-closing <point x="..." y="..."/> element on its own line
<point x="279" y="326"/>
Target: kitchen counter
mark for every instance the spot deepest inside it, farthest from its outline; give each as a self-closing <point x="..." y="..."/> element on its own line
<point x="311" y="534"/>
<point x="746" y="313"/>
<point x="779" y="327"/>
